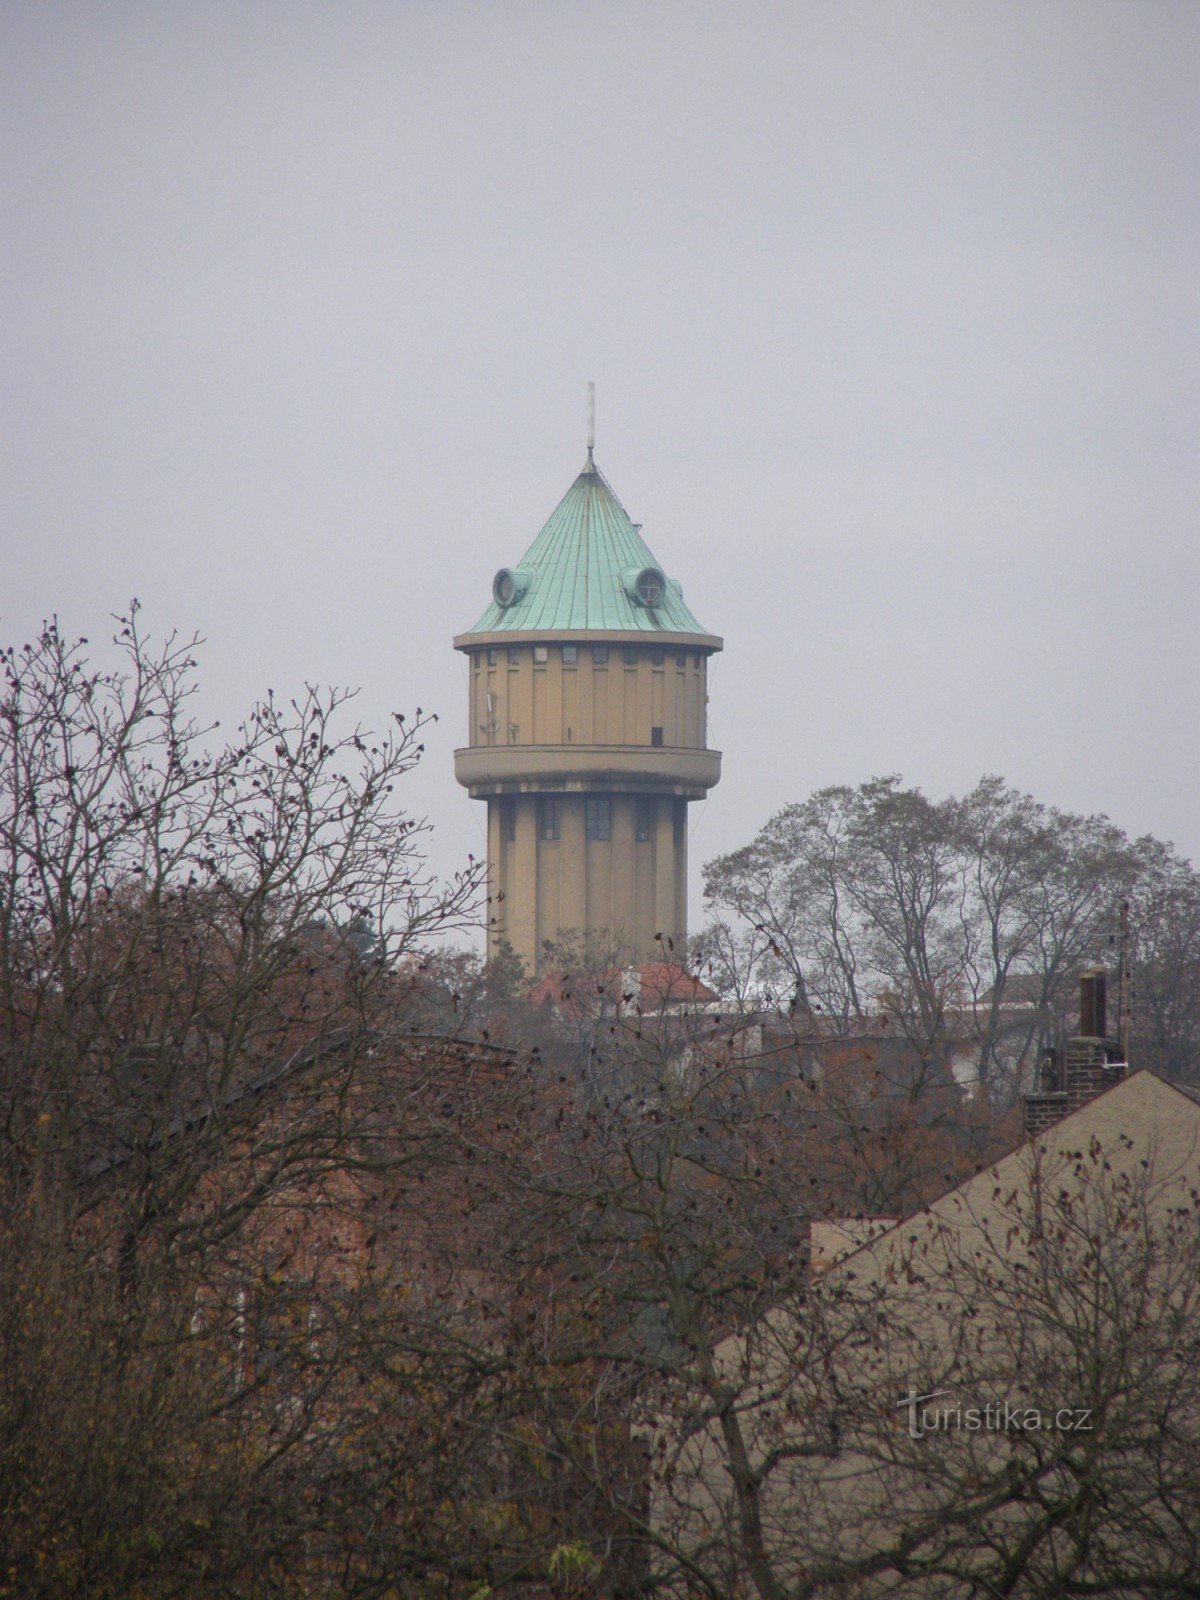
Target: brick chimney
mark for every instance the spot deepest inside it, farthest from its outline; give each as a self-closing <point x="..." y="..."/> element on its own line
<point x="1091" y="1063"/>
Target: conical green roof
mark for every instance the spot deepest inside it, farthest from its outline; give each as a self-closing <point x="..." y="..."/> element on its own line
<point x="580" y="575"/>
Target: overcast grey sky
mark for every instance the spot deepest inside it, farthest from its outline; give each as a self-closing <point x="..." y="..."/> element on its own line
<point x="891" y="307"/>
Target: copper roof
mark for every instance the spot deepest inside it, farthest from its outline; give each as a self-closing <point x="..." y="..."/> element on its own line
<point x="579" y="574"/>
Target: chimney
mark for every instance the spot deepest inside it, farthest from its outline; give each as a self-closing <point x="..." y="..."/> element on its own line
<point x="1051" y="1072"/>
<point x="1092" y="1062"/>
<point x="1093" y="1004"/>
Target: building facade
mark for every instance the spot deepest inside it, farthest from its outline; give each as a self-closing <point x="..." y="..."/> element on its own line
<point x="588" y="697"/>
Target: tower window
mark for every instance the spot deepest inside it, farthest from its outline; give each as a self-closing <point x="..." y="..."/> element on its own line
<point x="649" y="587"/>
<point x="656" y="735"/>
<point x="644" y="821"/>
<point x="540" y="655"/>
<point x="657" y="657"/>
<point x="681" y="658"/>
<point x="600" y="654"/>
<point x="549" y="818"/>
<point x="597" y="820"/>
<point x="508" y="820"/>
<point x="630" y="657"/>
<point x="493" y="657"/>
<point x="514" y="656"/>
<point x="570" y="654"/>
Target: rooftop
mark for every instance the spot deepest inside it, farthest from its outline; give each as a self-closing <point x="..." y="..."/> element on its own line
<point x="589" y="570"/>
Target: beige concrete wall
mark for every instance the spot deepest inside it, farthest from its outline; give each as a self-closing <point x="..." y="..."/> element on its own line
<point x="619" y="890"/>
<point x="507" y="769"/>
<point x="518" y="911"/>
<point x="523" y="701"/>
<point x="645" y="897"/>
<point x="541" y="724"/>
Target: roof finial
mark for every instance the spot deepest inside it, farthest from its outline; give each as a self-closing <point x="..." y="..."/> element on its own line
<point x="591" y="419"/>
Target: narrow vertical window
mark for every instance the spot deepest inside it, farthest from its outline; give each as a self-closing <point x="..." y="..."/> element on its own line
<point x="508" y="819"/>
<point x="549" y="818"/>
<point x="598" y="817"/>
<point x="644" y="822"/>
<point x="656" y="736"/>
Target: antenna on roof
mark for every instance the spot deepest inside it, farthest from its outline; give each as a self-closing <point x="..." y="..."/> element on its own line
<point x="591" y="419"/>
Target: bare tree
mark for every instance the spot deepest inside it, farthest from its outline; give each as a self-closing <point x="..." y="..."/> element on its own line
<point x="660" y="1378"/>
<point x="856" y="891"/>
<point x="625" y="1217"/>
<point x="309" y="1286"/>
<point x="964" y="923"/>
<point x="1000" y="1397"/>
<point x="1041" y="896"/>
<point x="1164" y="918"/>
<point x="205" y="1035"/>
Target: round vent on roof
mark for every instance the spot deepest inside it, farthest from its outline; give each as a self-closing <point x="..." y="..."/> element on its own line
<point x="644" y="585"/>
<point x="509" y="585"/>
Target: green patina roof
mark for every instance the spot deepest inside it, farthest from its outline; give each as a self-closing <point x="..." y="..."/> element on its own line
<point x="577" y="567"/>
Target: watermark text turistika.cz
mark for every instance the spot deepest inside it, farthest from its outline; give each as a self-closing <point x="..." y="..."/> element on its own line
<point x="997" y="1416"/>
